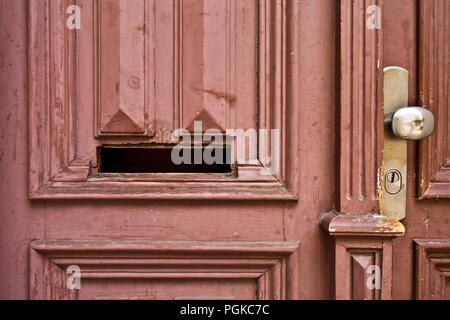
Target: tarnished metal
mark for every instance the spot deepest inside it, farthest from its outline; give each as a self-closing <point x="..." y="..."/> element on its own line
<point x="393" y="202"/>
<point x="413" y="123"/>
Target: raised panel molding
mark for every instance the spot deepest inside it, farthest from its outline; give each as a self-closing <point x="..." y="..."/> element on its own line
<point x="272" y="266"/>
<point x="208" y="96"/>
<point x="124" y="67"/>
<point x="360" y="238"/>
<point x="52" y="120"/>
<point x="360" y="274"/>
<point x="434" y="155"/>
<point x="362" y="251"/>
<point x="361" y="117"/>
<point x="144" y="111"/>
<point x="432" y="269"/>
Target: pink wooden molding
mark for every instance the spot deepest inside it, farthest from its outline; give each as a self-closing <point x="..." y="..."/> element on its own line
<point x="361" y="237"/>
<point x="433" y="269"/>
<point x="434" y="155"/>
<point x="142" y="102"/>
<point x="124" y="69"/>
<point x="269" y="264"/>
<point x="361" y="117"/>
<point x="361" y="241"/>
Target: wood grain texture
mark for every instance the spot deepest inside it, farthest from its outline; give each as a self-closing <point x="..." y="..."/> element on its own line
<point x="434" y="86"/>
<point x="361" y="116"/>
<point x="215" y="64"/>
<point x="353" y="259"/>
<point x="124" y="71"/>
<point x="19" y="218"/>
<point x="362" y="238"/>
<point x="362" y="245"/>
<point x="130" y="69"/>
<point x="51" y="99"/>
<point x="432" y="269"/>
<point x="272" y="266"/>
<point x="426" y="219"/>
<point x="359" y="275"/>
<point x="361" y="225"/>
<point x="273" y="82"/>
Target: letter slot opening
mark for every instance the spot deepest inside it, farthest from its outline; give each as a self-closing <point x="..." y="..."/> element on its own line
<point x="114" y="159"/>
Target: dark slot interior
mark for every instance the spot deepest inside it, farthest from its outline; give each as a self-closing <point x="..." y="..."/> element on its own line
<point x="156" y="160"/>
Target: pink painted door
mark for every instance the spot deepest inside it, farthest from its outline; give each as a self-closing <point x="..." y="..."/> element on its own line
<point x="421" y="45"/>
<point x="139" y="218"/>
<point x="97" y="201"/>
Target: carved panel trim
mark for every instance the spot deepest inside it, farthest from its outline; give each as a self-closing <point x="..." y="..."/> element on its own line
<point x="362" y="254"/>
<point x="52" y="136"/>
<point x="57" y="171"/>
<point x="227" y="96"/>
<point x="356" y="266"/>
<point x="433" y="269"/>
<point x="361" y="116"/>
<point x="434" y="155"/>
<point x="129" y="106"/>
<point x="270" y="265"/>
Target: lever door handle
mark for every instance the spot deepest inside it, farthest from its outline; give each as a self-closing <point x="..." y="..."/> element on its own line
<point x="411" y="123"/>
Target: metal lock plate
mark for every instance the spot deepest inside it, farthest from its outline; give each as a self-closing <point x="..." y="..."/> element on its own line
<point x="393" y="200"/>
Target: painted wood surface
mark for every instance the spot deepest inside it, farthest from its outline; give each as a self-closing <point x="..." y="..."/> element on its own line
<point x="161" y="220"/>
<point x="361" y="112"/>
<point x="125" y="71"/>
<point x="432" y="269"/>
<point x="358" y="231"/>
<point x="166" y="270"/>
<point x="132" y="99"/>
<point x="310" y="96"/>
<point x="434" y="75"/>
<point x="425" y="219"/>
<point x="362" y="250"/>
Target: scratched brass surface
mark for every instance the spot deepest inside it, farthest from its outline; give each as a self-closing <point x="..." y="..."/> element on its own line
<point x="394" y="177"/>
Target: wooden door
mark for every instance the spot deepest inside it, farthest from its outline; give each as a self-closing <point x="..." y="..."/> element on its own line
<point x="110" y="104"/>
<point x="410" y="257"/>
<point x="421" y="256"/>
<point x="92" y="207"/>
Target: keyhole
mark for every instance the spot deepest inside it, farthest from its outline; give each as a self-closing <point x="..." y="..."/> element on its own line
<point x="393" y="177"/>
<point x="393" y="182"/>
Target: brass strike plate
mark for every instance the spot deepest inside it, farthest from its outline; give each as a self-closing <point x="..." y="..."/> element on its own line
<point x="394" y="180"/>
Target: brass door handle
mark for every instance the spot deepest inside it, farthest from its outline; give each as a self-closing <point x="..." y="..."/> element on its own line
<point x="411" y="123"/>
